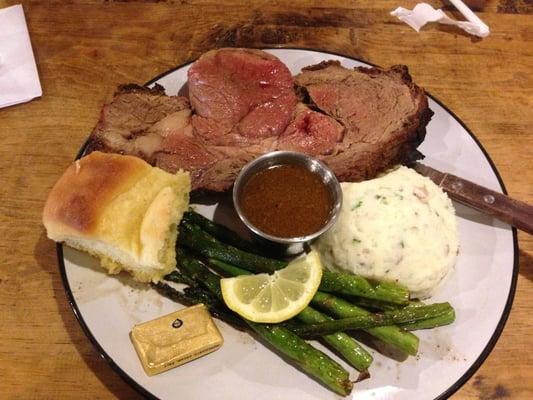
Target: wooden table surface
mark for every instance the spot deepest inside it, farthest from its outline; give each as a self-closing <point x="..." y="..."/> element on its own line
<point x="84" y="49"/>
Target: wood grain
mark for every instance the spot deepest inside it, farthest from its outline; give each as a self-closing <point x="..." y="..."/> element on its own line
<point x="85" y="48"/>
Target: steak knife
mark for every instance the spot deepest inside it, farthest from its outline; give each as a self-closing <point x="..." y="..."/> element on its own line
<point x="506" y="209"/>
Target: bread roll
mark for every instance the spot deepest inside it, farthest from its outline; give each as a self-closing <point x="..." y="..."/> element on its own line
<point x="121" y="210"/>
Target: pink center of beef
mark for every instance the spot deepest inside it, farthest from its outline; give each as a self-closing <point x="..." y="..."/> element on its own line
<point x="240" y="97"/>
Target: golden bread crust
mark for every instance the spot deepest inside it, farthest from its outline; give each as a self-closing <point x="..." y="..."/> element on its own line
<point x="79" y="197"/>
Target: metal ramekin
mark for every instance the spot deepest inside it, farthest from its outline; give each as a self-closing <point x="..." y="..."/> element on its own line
<point x="292" y="245"/>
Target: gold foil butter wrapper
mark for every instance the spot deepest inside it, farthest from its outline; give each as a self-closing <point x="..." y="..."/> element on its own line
<point x="175" y="339"/>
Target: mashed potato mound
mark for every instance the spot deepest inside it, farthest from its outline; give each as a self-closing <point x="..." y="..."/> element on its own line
<point x="399" y="227"/>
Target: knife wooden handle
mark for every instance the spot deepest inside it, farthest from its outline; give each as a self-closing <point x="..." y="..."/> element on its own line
<point x="500" y="206"/>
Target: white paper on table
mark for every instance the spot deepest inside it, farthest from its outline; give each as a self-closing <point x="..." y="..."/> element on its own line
<point x="19" y="79"/>
<point x="424" y="13"/>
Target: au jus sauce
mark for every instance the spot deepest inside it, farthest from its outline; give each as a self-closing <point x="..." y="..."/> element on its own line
<point x="286" y="201"/>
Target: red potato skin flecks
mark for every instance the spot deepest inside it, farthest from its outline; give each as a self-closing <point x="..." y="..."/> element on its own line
<point x="243" y="103"/>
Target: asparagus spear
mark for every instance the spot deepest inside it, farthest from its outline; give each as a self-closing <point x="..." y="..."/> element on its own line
<point x="189" y="298"/>
<point x="444" y="319"/>
<point x="371" y="304"/>
<point x="339" y="308"/>
<point x="441" y="320"/>
<point x="193" y="237"/>
<point x="345" y="345"/>
<point x="404" y="341"/>
<point x="226" y="269"/>
<point x="178" y="277"/>
<point x="429" y="323"/>
<point x="348" y="284"/>
<point x="174" y="294"/>
<point x="373" y="320"/>
<point x="305" y="356"/>
<point x="218" y="231"/>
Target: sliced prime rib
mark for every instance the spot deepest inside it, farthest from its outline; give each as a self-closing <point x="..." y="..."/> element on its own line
<point x="240" y="96"/>
<point x="244" y="103"/>
<point x="384" y="115"/>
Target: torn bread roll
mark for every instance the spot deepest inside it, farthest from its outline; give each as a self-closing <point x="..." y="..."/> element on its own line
<point x="121" y="210"/>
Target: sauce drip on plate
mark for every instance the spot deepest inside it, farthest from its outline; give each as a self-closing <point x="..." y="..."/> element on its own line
<point x="286" y="201"/>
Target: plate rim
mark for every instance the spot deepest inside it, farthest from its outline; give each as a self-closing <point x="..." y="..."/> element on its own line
<point x="444" y="395"/>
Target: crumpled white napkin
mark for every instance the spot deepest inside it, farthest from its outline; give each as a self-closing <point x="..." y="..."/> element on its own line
<point x="424" y="13"/>
<point x="19" y="80"/>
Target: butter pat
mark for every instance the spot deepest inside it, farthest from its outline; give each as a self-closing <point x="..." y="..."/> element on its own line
<point x="175" y="339"/>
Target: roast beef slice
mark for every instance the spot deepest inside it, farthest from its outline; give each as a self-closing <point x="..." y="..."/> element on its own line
<point x="384" y="115"/>
<point x="240" y="96"/>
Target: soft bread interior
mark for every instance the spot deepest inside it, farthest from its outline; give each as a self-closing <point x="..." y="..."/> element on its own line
<point x="136" y="228"/>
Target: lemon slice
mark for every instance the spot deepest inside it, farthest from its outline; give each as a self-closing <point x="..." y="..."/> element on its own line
<point x="277" y="297"/>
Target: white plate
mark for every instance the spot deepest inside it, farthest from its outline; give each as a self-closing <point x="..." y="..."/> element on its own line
<point x="481" y="289"/>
